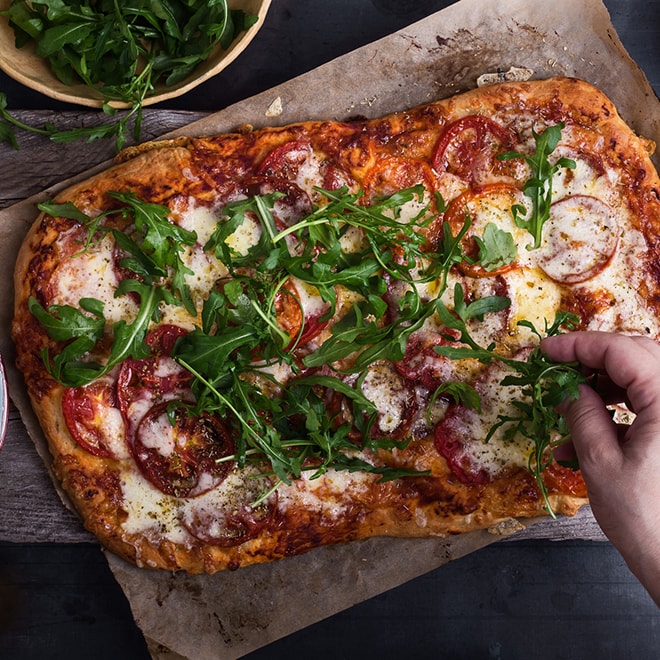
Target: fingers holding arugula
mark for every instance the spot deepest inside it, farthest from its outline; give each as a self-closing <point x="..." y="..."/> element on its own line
<point x="620" y="463"/>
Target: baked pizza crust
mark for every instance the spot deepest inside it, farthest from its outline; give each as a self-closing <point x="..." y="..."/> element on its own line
<point x="417" y="507"/>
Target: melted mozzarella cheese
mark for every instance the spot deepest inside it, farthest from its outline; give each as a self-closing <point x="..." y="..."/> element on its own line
<point x="498" y="453"/>
<point x="92" y="274"/>
<point x="329" y="495"/>
<point x="309" y="174"/>
<point x="149" y="511"/>
<point x="385" y="388"/>
<point x="535" y="298"/>
<point x="153" y="513"/>
<point x="113" y="430"/>
<point x="311" y="302"/>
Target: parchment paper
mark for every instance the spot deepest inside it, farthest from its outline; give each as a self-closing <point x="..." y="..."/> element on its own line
<point x="230" y="614"/>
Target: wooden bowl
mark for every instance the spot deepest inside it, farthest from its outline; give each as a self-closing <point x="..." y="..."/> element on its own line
<point x="27" y="68"/>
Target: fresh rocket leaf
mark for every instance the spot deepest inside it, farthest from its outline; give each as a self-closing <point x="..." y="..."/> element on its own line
<point x="539" y="187"/>
<point x="543" y="385"/>
<point x="64" y="322"/>
<point x="496" y="248"/>
<point x="153" y="254"/>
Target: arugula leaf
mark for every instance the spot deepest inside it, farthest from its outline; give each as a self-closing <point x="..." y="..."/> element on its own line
<point x="496" y="249"/>
<point x="539" y="187"/>
<point x="544" y="384"/>
<point x="153" y="255"/>
<point x="462" y="393"/>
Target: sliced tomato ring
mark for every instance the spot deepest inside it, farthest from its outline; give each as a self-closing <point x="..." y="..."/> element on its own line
<point x="421" y="364"/>
<point x="468" y="148"/>
<point x="231" y="517"/>
<point x="561" y="479"/>
<point x="286" y="160"/>
<point x="483" y="205"/>
<point x="287" y="210"/>
<point x="181" y="454"/>
<point x="452" y="442"/>
<point x="579" y="239"/>
<point x="296" y="161"/>
<point x="143" y="383"/>
<point x="295" y="314"/>
<point x="92" y="415"/>
<point x="161" y="340"/>
<point x="392" y="174"/>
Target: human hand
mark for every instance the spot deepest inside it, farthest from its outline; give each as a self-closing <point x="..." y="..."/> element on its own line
<point x="620" y="463"/>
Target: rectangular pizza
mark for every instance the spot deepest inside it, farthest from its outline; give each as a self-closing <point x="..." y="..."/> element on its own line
<point x="246" y="346"/>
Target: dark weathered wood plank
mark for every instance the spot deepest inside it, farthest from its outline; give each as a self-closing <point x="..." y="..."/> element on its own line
<point x="40" y="163"/>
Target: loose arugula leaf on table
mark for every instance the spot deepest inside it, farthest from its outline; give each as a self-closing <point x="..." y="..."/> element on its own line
<point x="539" y="187"/>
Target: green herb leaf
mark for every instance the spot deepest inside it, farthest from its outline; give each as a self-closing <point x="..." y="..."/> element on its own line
<point x="539" y="187"/>
<point x="496" y="249"/>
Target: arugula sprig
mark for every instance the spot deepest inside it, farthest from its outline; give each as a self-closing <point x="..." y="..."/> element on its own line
<point x="232" y="353"/>
<point x="239" y="339"/>
<point x="158" y="277"/>
<point x="539" y="186"/>
<point x="120" y="49"/>
<point x="543" y="385"/>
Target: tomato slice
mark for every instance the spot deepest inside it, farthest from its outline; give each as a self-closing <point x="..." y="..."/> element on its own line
<point x="296" y="161"/>
<point x="143" y="383"/>
<point x="238" y="520"/>
<point x="391" y="174"/>
<point x="286" y="160"/>
<point x="560" y="479"/>
<point x="92" y="415"/>
<point x="483" y="205"/>
<point x="181" y="454"/>
<point x="450" y="443"/>
<point x="301" y="324"/>
<point x="468" y="148"/>
<point x="287" y="210"/>
<point x="579" y="239"/>
<point x="421" y="364"/>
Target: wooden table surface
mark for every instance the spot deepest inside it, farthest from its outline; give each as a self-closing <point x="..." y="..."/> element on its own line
<point x="560" y="583"/>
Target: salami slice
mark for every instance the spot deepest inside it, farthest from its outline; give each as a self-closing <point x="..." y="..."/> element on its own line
<point x="579" y="239"/>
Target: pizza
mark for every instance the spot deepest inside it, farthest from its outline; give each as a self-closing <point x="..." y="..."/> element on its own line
<point x="246" y="346"/>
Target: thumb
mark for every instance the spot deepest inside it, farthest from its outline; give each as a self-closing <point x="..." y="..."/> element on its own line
<point x="593" y="432"/>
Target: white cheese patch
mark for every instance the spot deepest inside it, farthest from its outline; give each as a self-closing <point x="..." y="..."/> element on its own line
<point x="313" y="306"/>
<point x="385" y="388"/>
<point x="113" y="430"/>
<point x="246" y="236"/>
<point x="154" y="514"/>
<point x="150" y="512"/>
<point x="92" y="274"/>
<point x="159" y="434"/>
<point x="496" y="454"/>
<point x="535" y="298"/>
<point x="329" y="495"/>
<point x="309" y="175"/>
